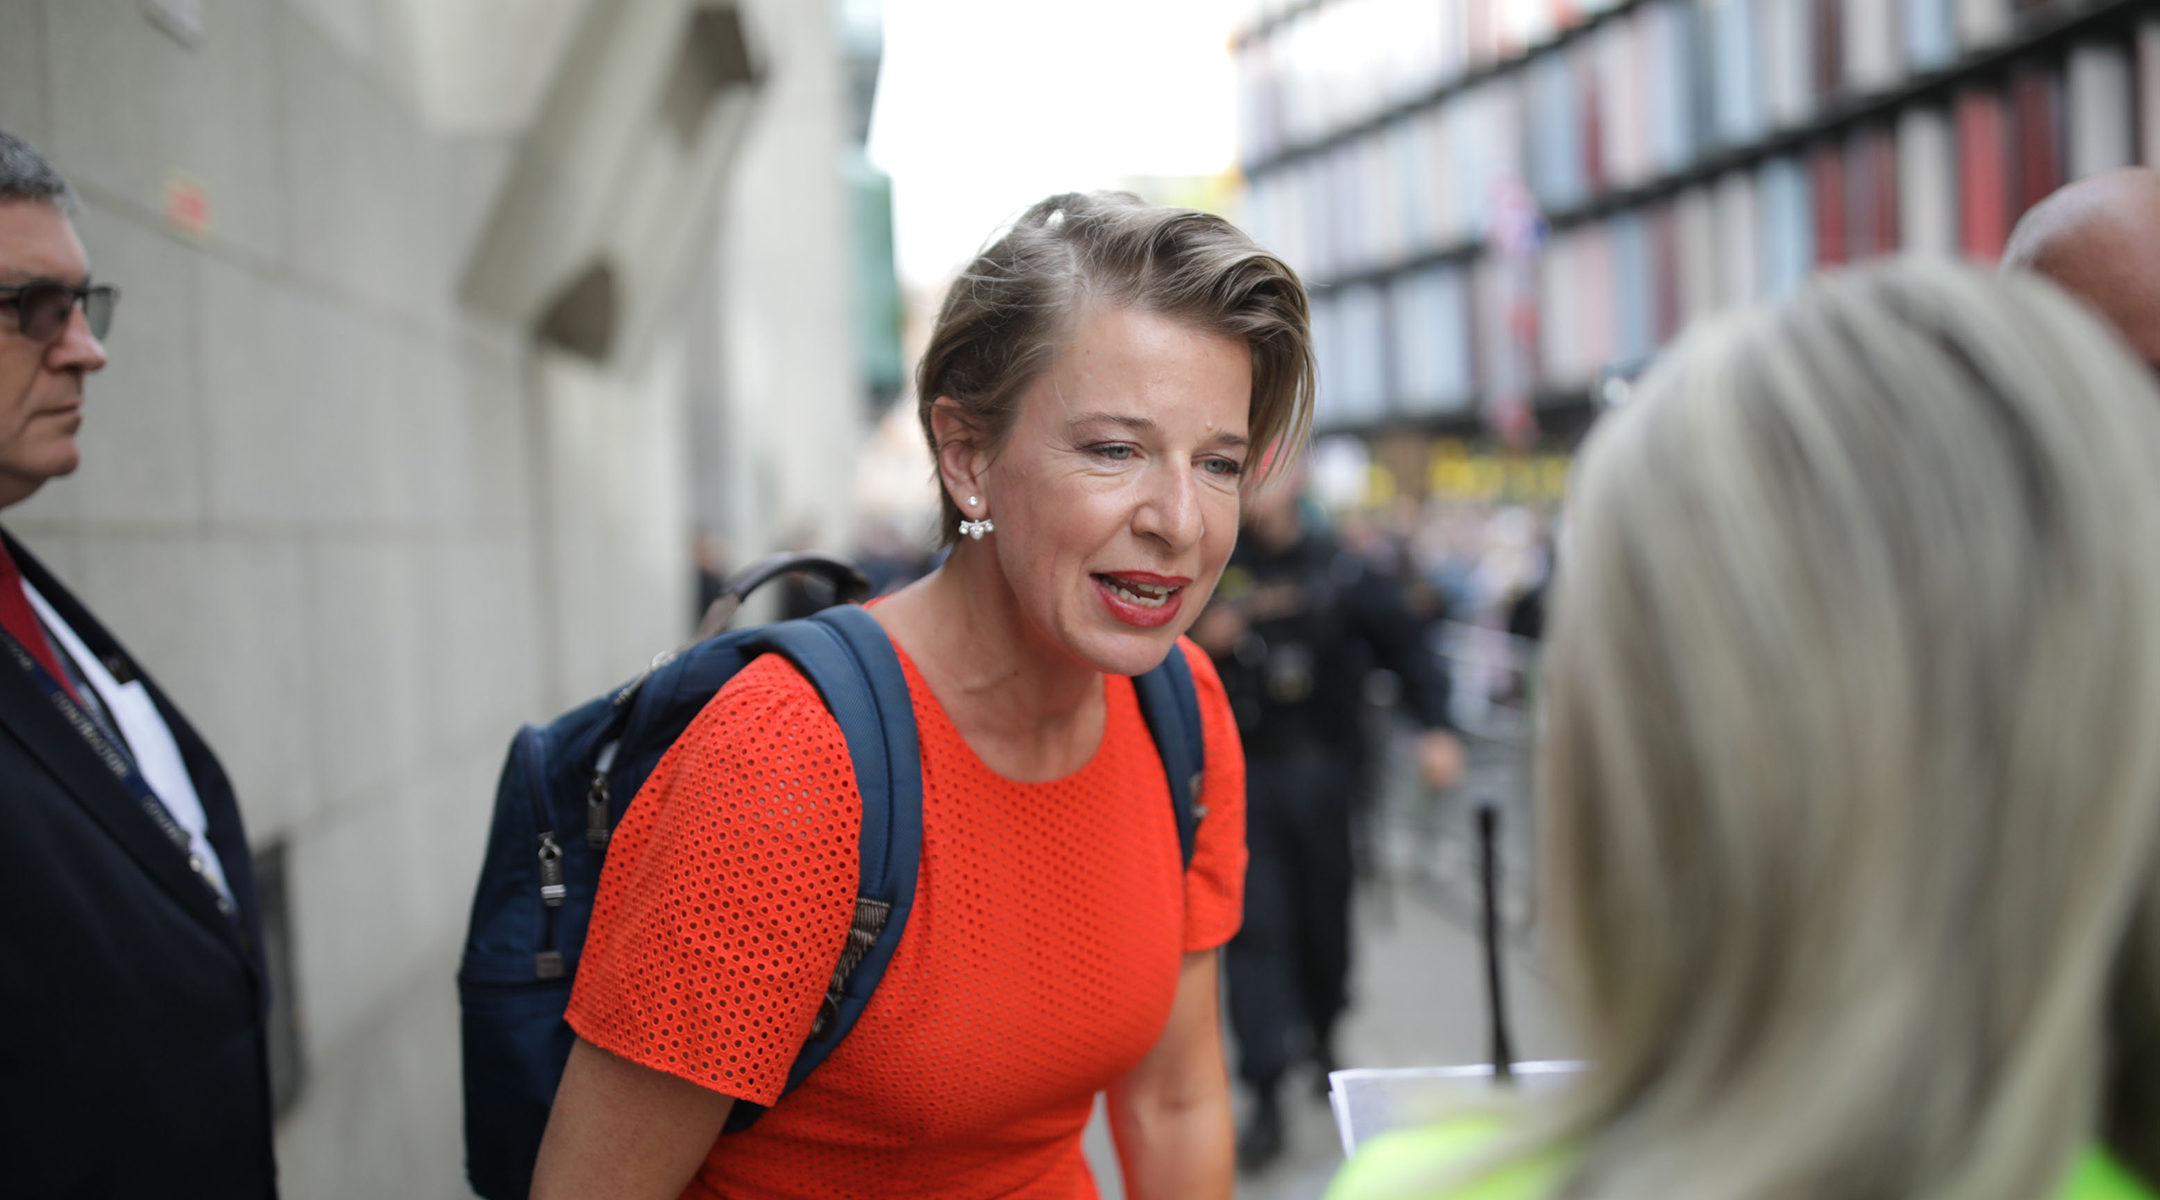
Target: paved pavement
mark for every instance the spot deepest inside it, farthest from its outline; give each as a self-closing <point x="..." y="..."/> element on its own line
<point x="1418" y="975"/>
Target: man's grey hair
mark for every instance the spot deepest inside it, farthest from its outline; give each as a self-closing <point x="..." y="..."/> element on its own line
<point x="26" y="175"/>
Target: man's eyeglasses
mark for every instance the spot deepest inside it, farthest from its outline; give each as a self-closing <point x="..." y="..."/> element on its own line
<point x="42" y="309"/>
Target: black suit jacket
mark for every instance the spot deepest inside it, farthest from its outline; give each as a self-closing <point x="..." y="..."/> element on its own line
<point x="133" y="1054"/>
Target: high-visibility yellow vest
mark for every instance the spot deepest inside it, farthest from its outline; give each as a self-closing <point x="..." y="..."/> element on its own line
<point x="1385" y="1166"/>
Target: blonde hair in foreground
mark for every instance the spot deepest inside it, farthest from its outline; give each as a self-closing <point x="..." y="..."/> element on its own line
<point x="1851" y="778"/>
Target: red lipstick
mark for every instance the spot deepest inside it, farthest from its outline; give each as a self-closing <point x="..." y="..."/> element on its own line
<point x="1141" y="599"/>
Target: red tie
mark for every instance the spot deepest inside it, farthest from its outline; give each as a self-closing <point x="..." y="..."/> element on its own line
<point x="17" y="618"/>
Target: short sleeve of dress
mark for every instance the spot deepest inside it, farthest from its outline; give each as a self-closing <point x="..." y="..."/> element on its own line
<point x="1215" y="882"/>
<point x="727" y="892"/>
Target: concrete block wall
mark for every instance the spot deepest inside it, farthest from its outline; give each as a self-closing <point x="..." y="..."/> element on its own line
<point x="785" y="372"/>
<point x="358" y="532"/>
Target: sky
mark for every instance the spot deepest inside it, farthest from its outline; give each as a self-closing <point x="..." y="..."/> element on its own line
<point x="986" y="106"/>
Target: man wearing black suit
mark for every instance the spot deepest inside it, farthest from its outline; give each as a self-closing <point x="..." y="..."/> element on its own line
<point x="133" y="993"/>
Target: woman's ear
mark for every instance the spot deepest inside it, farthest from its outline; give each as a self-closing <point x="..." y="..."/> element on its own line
<point x="961" y="460"/>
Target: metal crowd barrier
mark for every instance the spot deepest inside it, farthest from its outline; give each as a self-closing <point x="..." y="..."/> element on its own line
<point x="1426" y="841"/>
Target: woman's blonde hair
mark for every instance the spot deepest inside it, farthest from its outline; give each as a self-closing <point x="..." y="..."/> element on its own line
<point x="1851" y="771"/>
<point x="1009" y="314"/>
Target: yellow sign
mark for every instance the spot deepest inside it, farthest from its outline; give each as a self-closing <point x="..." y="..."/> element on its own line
<point x="1456" y="473"/>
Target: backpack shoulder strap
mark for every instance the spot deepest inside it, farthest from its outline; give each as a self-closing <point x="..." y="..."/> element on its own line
<point x="1172" y="708"/>
<point x="844" y="653"/>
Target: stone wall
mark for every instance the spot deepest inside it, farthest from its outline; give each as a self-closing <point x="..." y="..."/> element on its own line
<point x="361" y="531"/>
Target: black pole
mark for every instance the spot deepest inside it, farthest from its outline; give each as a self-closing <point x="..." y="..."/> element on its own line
<point x="1503" y="1050"/>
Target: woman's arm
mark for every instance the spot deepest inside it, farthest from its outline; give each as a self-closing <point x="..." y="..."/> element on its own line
<point x="621" y="1131"/>
<point x="1171" y="1114"/>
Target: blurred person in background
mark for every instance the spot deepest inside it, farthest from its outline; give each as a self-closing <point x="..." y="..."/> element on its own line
<point x="881" y="553"/>
<point x="802" y="595"/>
<point x="1513" y="563"/>
<point x="886" y="556"/>
<point x="132" y="982"/>
<point x="2100" y="238"/>
<point x="708" y="560"/>
<point x="1295" y="627"/>
<point x="1848" y="771"/>
<point x="1444" y="552"/>
<point x="1097" y="392"/>
<point x="1508" y="600"/>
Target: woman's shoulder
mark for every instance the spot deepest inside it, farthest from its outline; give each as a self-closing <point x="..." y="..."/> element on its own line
<point x="1412" y="1164"/>
<point x="727" y="892"/>
<point x="753" y="705"/>
<point x="769" y="724"/>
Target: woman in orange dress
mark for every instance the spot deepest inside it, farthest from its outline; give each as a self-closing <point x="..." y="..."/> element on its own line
<point x="1099" y="392"/>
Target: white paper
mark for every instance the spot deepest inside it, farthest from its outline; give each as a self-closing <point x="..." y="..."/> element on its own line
<point x="1370" y="1101"/>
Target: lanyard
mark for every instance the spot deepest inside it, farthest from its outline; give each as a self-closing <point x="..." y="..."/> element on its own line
<point x="121" y="765"/>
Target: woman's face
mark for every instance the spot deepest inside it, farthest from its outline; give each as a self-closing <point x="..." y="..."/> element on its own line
<point x="1116" y="492"/>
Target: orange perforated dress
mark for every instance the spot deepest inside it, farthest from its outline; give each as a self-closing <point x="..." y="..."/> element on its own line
<point x="1037" y="967"/>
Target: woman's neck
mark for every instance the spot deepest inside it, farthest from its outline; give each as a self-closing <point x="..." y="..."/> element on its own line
<point x="1027" y="707"/>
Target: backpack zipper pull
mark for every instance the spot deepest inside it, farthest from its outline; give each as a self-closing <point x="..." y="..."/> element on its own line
<point x="596" y="814"/>
<point x="551" y="872"/>
<point x="599" y="798"/>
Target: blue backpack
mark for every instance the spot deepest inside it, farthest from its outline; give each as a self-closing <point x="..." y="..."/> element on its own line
<point x="564" y="789"/>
